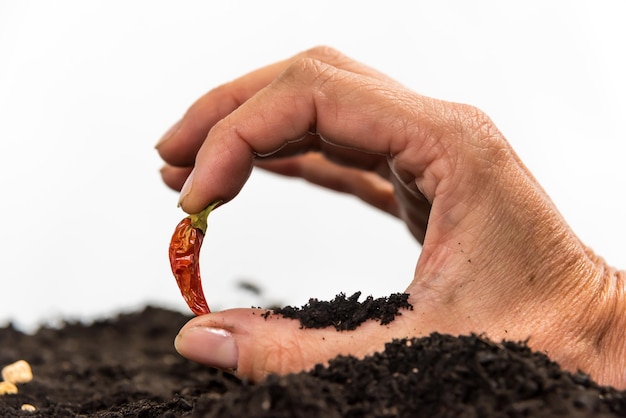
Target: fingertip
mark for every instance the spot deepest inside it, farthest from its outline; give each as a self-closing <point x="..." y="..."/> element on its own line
<point x="186" y="189"/>
<point x="174" y="177"/>
<point x="213" y="339"/>
<point x="170" y="133"/>
<point x="221" y="169"/>
<point x="193" y="197"/>
<point x="215" y="347"/>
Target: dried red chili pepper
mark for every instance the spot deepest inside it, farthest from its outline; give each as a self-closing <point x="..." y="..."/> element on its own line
<point x="184" y="255"/>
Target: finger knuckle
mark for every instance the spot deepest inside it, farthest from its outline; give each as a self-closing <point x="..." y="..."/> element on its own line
<point x="316" y="67"/>
<point x="308" y="72"/>
<point x="478" y="131"/>
<point x="325" y="54"/>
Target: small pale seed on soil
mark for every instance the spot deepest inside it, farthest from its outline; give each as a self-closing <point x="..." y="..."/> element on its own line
<point x="18" y="372"/>
<point x="7" y="388"/>
<point x="28" y="407"/>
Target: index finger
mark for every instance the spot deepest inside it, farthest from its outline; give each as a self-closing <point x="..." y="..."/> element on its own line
<point x="357" y="118"/>
<point x="180" y="144"/>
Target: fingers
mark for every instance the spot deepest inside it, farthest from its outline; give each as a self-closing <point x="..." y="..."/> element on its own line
<point x="359" y="121"/>
<point x="174" y="177"/>
<point x="180" y="143"/>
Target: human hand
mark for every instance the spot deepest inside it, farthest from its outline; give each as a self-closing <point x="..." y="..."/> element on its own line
<point x="497" y="257"/>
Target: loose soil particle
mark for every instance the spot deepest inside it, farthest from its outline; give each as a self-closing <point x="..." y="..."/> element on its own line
<point x="126" y="366"/>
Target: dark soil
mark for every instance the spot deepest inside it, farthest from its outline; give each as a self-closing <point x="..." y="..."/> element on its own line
<point x="346" y="314"/>
<point x="127" y="367"/>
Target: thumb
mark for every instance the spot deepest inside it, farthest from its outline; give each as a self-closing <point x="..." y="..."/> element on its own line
<point x="255" y="343"/>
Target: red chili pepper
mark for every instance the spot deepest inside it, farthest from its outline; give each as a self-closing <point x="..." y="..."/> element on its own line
<point x="184" y="254"/>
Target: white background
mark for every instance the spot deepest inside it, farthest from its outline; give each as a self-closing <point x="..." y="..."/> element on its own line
<point x="87" y="88"/>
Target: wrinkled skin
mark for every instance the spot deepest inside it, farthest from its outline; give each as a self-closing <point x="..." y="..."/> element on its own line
<point x="497" y="256"/>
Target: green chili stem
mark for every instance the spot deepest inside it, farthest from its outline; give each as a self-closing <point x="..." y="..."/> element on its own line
<point x="199" y="220"/>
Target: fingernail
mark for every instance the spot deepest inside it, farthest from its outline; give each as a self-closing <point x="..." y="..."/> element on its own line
<point x="184" y="191"/>
<point x="212" y="346"/>
<point x="168" y="134"/>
